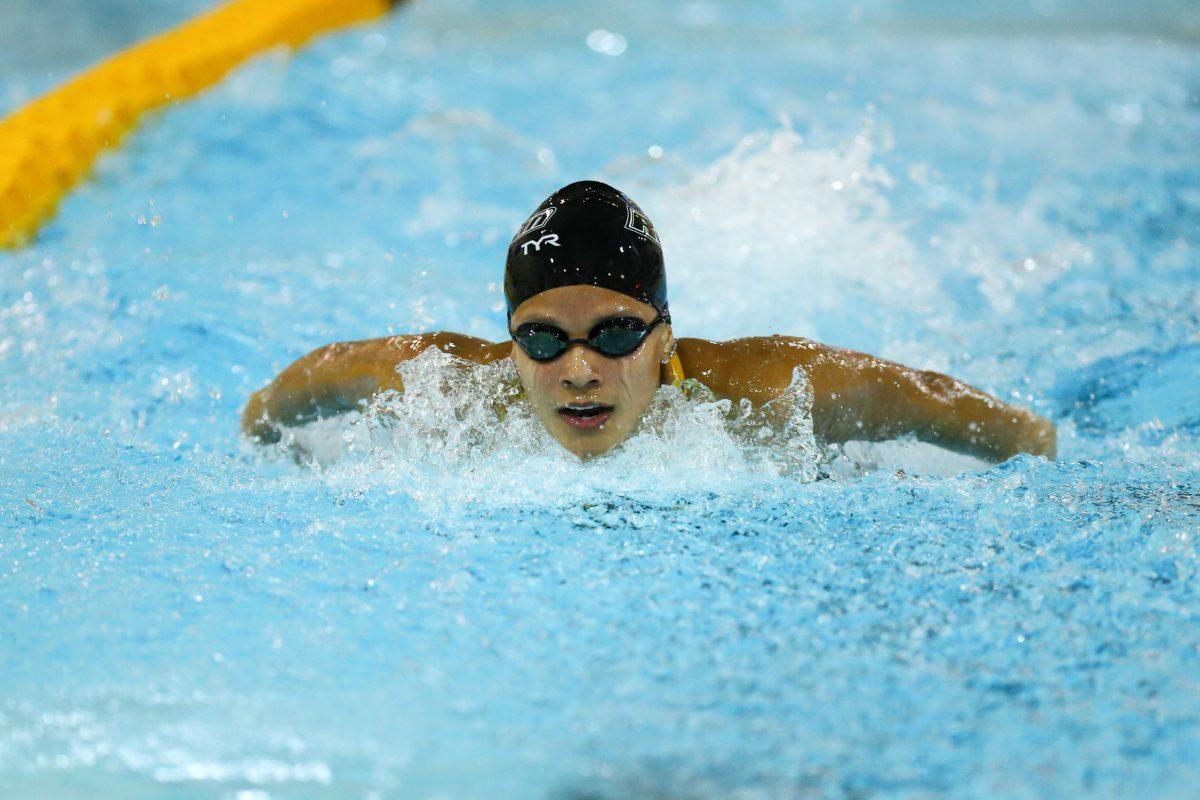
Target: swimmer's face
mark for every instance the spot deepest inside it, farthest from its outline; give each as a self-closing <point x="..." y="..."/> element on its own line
<point x="588" y="401"/>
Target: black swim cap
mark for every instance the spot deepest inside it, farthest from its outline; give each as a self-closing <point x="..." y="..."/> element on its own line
<point x="590" y="234"/>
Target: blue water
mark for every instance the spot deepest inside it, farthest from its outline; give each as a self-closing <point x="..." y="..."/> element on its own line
<point x="419" y="602"/>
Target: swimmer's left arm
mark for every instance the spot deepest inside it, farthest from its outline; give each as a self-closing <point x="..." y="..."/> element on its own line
<point x="860" y="397"/>
<point x="857" y="396"/>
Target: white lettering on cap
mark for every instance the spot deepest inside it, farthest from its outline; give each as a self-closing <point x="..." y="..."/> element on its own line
<point x="637" y="222"/>
<point x="549" y="239"/>
<point x="536" y="222"/>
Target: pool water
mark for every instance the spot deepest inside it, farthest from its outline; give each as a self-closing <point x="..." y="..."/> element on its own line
<point x="419" y="601"/>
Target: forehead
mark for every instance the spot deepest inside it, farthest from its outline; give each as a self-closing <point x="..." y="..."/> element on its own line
<point x="579" y="306"/>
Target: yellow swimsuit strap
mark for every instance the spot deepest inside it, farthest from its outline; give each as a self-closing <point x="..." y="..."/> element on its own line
<point x="677" y="376"/>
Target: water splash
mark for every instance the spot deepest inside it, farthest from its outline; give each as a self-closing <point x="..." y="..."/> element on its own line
<point x="789" y="237"/>
<point x="459" y="432"/>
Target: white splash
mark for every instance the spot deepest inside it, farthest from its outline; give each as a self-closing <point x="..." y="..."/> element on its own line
<point x="459" y="433"/>
<point x="780" y="236"/>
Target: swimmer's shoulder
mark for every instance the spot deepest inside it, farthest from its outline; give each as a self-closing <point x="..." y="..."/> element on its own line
<point x="402" y="347"/>
<point x="337" y="377"/>
<point x="755" y="367"/>
<point x="378" y="357"/>
<point x="468" y="348"/>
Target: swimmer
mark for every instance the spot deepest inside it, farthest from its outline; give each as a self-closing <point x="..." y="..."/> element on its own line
<point x="592" y="342"/>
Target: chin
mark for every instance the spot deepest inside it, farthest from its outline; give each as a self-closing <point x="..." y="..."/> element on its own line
<point x="586" y="450"/>
<point x="587" y="447"/>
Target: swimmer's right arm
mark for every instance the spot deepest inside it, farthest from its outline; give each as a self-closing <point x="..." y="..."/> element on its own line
<point x="327" y="381"/>
<point x="338" y="377"/>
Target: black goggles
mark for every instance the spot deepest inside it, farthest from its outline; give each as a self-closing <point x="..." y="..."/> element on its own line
<point x="612" y="337"/>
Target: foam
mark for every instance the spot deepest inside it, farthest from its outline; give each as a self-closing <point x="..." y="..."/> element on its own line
<point x="459" y="433"/>
<point x="777" y="236"/>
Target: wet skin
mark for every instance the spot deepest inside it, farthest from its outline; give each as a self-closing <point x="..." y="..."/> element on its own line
<point x="581" y="377"/>
<point x="855" y="396"/>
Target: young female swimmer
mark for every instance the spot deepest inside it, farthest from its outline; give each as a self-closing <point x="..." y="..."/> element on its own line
<point x="592" y="342"/>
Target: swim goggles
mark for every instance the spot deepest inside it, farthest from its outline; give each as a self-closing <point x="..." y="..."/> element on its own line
<point x="612" y="337"/>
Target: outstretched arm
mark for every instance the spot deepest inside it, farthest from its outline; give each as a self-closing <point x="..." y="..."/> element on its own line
<point x="857" y="396"/>
<point x="335" y="378"/>
<point x="861" y="397"/>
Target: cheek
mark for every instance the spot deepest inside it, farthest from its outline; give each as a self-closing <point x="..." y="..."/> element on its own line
<point x="637" y="377"/>
<point x="538" y="380"/>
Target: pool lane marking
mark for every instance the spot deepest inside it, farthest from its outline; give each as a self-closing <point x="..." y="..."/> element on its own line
<point x="50" y="144"/>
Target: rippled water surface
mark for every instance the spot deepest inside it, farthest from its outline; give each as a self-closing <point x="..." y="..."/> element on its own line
<point x="433" y="605"/>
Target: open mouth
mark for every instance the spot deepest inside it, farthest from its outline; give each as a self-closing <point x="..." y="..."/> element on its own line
<point x="585" y="415"/>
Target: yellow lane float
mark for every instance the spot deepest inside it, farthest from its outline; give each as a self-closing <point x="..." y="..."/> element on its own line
<point x="47" y="146"/>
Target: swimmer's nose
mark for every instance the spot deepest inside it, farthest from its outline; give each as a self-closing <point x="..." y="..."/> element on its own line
<point x="577" y="369"/>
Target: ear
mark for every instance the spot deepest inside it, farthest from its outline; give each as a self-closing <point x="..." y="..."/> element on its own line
<point x="666" y="345"/>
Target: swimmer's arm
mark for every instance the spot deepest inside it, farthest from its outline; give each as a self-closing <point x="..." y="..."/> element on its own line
<point x="857" y="396"/>
<point x="336" y="378"/>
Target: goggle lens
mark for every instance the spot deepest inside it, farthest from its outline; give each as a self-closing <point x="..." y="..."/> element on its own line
<point x="540" y="345"/>
<point x="619" y="341"/>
